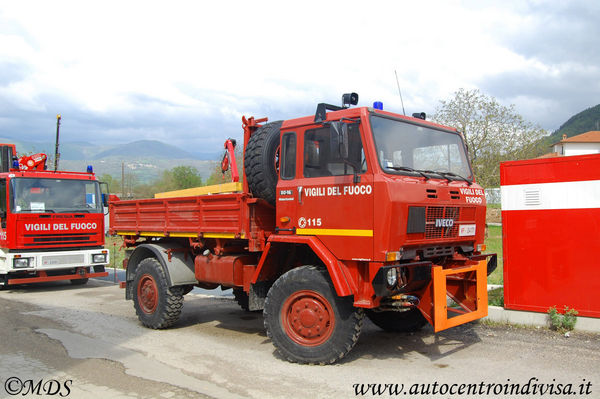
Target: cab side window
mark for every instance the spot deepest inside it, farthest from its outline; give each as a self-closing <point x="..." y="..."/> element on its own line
<point x="2" y="196"/>
<point x="3" y="202"/>
<point x="288" y="156"/>
<point x="320" y="160"/>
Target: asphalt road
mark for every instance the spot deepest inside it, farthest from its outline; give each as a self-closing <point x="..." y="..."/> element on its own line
<point x="87" y="343"/>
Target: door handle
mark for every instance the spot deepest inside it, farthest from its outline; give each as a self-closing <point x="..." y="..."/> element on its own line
<point x="299" y="194"/>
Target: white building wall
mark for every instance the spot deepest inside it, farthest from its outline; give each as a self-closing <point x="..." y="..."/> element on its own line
<point x="581" y="148"/>
<point x="577" y="148"/>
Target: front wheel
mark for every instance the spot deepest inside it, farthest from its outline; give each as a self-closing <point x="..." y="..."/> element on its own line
<point x="156" y="304"/>
<point x="307" y="321"/>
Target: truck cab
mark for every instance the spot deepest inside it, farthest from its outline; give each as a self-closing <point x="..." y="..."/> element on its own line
<point x="403" y="189"/>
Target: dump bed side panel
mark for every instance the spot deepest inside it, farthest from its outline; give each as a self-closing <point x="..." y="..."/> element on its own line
<point x="220" y="213"/>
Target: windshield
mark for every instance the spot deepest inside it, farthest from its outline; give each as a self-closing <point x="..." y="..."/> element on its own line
<point x="32" y="195"/>
<point x="408" y="148"/>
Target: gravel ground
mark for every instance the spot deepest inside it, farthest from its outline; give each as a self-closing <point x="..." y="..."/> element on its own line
<point x="91" y="337"/>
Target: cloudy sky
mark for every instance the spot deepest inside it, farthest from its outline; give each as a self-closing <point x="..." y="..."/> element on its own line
<point x="184" y="72"/>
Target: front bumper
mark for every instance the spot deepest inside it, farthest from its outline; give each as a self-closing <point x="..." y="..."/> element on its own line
<point x="52" y="260"/>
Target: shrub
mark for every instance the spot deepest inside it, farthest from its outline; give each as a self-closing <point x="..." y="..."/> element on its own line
<point x="562" y="322"/>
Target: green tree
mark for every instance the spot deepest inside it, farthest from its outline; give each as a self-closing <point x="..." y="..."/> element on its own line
<point x="185" y="177"/>
<point x="218" y="177"/>
<point x="493" y="132"/>
<point x="114" y="185"/>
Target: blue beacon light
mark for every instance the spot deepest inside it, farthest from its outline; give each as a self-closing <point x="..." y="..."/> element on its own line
<point x="378" y="105"/>
<point x="90" y="169"/>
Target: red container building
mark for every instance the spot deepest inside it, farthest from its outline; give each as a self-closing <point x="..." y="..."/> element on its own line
<point x="551" y="232"/>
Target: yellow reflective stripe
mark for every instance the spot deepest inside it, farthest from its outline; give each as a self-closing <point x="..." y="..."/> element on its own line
<point x="152" y="234"/>
<point x="183" y="234"/>
<point x="335" y="232"/>
<point x="221" y="235"/>
<point x="159" y="234"/>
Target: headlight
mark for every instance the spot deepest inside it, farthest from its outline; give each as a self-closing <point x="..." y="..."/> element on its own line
<point x="392" y="277"/>
<point x="99" y="258"/>
<point x="20" y="263"/>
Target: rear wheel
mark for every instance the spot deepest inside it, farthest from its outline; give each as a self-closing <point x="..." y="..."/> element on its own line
<point x="156" y="304"/>
<point x="307" y="321"/>
<point x="261" y="161"/>
<point x="408" y="321"/>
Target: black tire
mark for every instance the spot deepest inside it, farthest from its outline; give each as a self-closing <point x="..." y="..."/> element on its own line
<point x="260" y="161"/>
<point x="320" y="336"/>
<point x="3" y="279"/>
<point x="79" y="281"/>
<point x="241" y="297"/>
<point x="156" y="305"/>
<point x="409" y="321"/>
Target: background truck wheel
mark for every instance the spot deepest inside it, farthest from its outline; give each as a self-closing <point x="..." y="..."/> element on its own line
<point x="409" y="321"/>
<point x="261" y="161"/>
<point x="79" y="281"/>
<point x="307" y="321"/>
<point x="156" y="305"/>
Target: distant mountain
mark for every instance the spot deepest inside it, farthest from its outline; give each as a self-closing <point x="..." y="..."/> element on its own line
<point x="145" y="160"/>
<point x="68" y="151"/>
<point x="146" y="149"/>
<point x="580" y="123"/>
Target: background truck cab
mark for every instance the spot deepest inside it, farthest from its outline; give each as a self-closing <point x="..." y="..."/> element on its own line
<point x="51" y="222"/>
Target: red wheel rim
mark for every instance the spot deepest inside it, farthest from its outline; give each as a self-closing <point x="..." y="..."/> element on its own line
<point x="147" y="293"/>
<point x="308" y="318"/>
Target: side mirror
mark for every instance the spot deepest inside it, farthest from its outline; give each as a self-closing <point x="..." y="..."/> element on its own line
<point x="339" y="139"/>
<point x="104" y="193"/>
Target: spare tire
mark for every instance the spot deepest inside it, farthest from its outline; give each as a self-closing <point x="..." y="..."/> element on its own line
<point x="261" y="162"/>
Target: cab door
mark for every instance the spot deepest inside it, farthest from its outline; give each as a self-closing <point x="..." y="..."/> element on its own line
<point x="330" y="196"/>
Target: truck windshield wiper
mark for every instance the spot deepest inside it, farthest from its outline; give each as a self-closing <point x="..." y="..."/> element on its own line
<point x="446" y="174"/>
<point x="37" y="210"/>
<point x="409" y="169"/>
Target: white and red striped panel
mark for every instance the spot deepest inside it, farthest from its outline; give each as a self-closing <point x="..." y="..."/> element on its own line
<point x="551" y="234"/>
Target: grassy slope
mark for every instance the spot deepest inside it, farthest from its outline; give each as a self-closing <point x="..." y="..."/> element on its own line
<point x="493" y="243"/>
<point x="116" y="253"/>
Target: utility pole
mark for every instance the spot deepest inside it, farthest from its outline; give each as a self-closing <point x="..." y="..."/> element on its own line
<point x="56" y="153"/>
<point x="123" y="179"/>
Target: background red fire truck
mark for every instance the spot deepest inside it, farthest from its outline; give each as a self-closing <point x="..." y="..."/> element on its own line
<point x="348" y="213"/>
<point x="51" y="222"/>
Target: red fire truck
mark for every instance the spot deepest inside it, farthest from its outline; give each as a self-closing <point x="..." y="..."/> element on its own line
<point x="352" y="212"/>
<point x="51" y="222"/>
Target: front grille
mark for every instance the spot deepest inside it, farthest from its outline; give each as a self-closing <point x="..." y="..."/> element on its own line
<point x="441" y="212"/>
<point x="50" y="239"/>
<point x="433" y="252"/>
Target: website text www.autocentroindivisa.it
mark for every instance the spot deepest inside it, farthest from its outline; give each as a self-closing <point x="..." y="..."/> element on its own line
<point x="533" y="387"/>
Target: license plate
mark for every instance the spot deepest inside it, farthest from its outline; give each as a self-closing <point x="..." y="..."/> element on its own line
<point x="466" y="230"/>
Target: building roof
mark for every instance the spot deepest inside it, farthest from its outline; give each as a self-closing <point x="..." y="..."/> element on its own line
<point x="549" y="155"/>
<point x="587" y="137"/>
